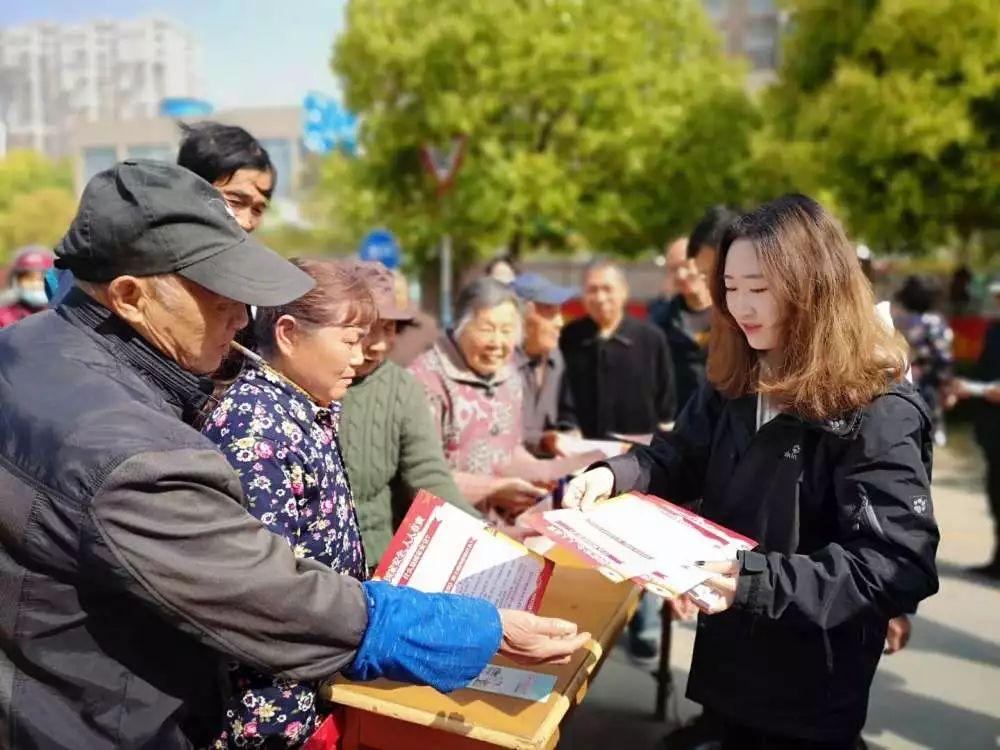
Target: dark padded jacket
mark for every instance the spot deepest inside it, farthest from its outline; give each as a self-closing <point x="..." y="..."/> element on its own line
<point x="843" y="516"/>
<point x="127" y="562"/>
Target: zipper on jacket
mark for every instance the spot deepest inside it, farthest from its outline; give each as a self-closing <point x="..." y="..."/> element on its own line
<point x="865" y="516"/>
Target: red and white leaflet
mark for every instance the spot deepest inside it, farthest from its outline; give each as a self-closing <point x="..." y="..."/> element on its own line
<point x="439" y="548"/>
<point x="644" y="538"/>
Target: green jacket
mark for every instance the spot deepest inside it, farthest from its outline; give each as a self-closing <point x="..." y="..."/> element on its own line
<point x="391" y="449"/>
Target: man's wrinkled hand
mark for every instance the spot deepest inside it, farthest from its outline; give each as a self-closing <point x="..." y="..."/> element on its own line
<point x="588" y="488"/>
<point x="529" y="639"/>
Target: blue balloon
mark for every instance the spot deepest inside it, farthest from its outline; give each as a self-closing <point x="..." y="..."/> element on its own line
<point x="326" y="125"/>
<point x="181" y="106"/>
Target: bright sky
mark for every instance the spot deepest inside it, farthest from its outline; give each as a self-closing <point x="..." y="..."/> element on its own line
<point x="253" y="53"/>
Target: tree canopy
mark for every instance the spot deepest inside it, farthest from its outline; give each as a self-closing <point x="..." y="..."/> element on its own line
<point x="36" y="201"/>
<point x="893" y="107"/>
<point x="589" y="122"/>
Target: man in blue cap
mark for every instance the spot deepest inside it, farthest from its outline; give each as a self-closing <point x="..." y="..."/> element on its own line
<point x="539" y="360"/>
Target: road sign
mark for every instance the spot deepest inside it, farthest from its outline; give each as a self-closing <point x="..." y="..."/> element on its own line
<point x="380" y="245"/>
<point x="444" y="163"/>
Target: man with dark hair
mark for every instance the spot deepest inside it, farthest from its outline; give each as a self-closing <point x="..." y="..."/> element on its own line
<point x="235" y="163"/>
<point x="687" y="318"/>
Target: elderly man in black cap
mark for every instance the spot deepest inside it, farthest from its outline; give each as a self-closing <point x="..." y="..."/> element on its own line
<point x="127" y="563"/>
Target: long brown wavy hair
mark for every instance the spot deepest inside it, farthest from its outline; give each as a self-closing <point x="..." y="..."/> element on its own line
<point x="837" y="354"/>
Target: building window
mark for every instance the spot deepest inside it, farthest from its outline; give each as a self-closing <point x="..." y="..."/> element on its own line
<point x="157" y="151"/>
<point x="280" y="151"/>
<point x="760" y="7"/>
<point x="97" y="160"/>
<point x="716" y="8"/>
<point x="760" y="34"/>
<point x="763" y="58"/>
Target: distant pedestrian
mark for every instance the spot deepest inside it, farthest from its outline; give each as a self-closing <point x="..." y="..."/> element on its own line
<point x="538" y="359"/>
<point x="620" y="380"/>
<point x="618" y="367"/>
<point x="27" y="284"/>
<point x="930" y="339"/>
<point x="688" y="318"/>
<point x="987" y="420"/>
<point x="674" y="259"/>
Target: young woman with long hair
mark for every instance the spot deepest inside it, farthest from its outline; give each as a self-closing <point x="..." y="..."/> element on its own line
<point x="808" y="439"/>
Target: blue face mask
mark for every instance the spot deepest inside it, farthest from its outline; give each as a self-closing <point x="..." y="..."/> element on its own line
<point x="35" y="298"/>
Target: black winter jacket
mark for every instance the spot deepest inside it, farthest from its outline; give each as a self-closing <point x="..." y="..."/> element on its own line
<point x="127" y="562"/>
<point x="843" y="516"/>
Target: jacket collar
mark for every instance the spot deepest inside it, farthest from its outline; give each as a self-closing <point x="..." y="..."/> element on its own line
<point x="845" y="426"/>
<point x="522" y="360"/>
<point x="622" y="334"/>
<point x="298" y="405"/>
<point x="184" y="391"/>
<point x="454" y="366"/>
<point x="848" y="425"/>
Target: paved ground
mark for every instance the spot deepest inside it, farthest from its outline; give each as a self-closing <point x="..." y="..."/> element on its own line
<point x="943" y="691"/>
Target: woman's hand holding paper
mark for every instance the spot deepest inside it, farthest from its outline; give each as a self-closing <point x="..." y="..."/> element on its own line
<point x="722" y="584"/>
<point x="588" y="488"/>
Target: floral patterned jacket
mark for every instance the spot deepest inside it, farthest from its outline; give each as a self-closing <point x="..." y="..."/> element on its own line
<point x="930" y="339"/>
<point x="479" y="419"/>
<point x="284" y="449"/>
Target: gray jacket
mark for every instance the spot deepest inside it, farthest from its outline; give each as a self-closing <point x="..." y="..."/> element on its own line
<point x="127" y="562"/>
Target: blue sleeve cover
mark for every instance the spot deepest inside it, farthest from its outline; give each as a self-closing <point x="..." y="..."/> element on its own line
<point x="441" y="640"/>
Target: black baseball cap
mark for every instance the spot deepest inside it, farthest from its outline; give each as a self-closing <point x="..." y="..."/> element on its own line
<point x="144" y="217"/>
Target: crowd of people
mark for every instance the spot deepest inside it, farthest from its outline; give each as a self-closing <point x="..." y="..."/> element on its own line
<point x="207" y="449"/>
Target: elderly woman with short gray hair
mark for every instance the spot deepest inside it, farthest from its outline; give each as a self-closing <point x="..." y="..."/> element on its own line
<point x="476" y="394"/>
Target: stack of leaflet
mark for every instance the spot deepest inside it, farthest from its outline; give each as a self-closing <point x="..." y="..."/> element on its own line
<point x="644" y="539"/>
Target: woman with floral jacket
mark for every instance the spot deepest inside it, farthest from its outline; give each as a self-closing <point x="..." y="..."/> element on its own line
<point x="284" y="447"/>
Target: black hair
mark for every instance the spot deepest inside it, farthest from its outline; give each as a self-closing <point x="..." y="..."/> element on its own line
<point x="918" y="295"/>
<point x="710" y="229"/>
<point x="214" y="152"/>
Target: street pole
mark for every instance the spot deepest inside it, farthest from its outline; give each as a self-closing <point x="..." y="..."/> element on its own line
<point x="445" y="270"/>
<point x="443" y="165"/>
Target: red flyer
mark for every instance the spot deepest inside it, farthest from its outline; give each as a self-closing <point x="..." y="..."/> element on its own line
<point x="439" y="548"/>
